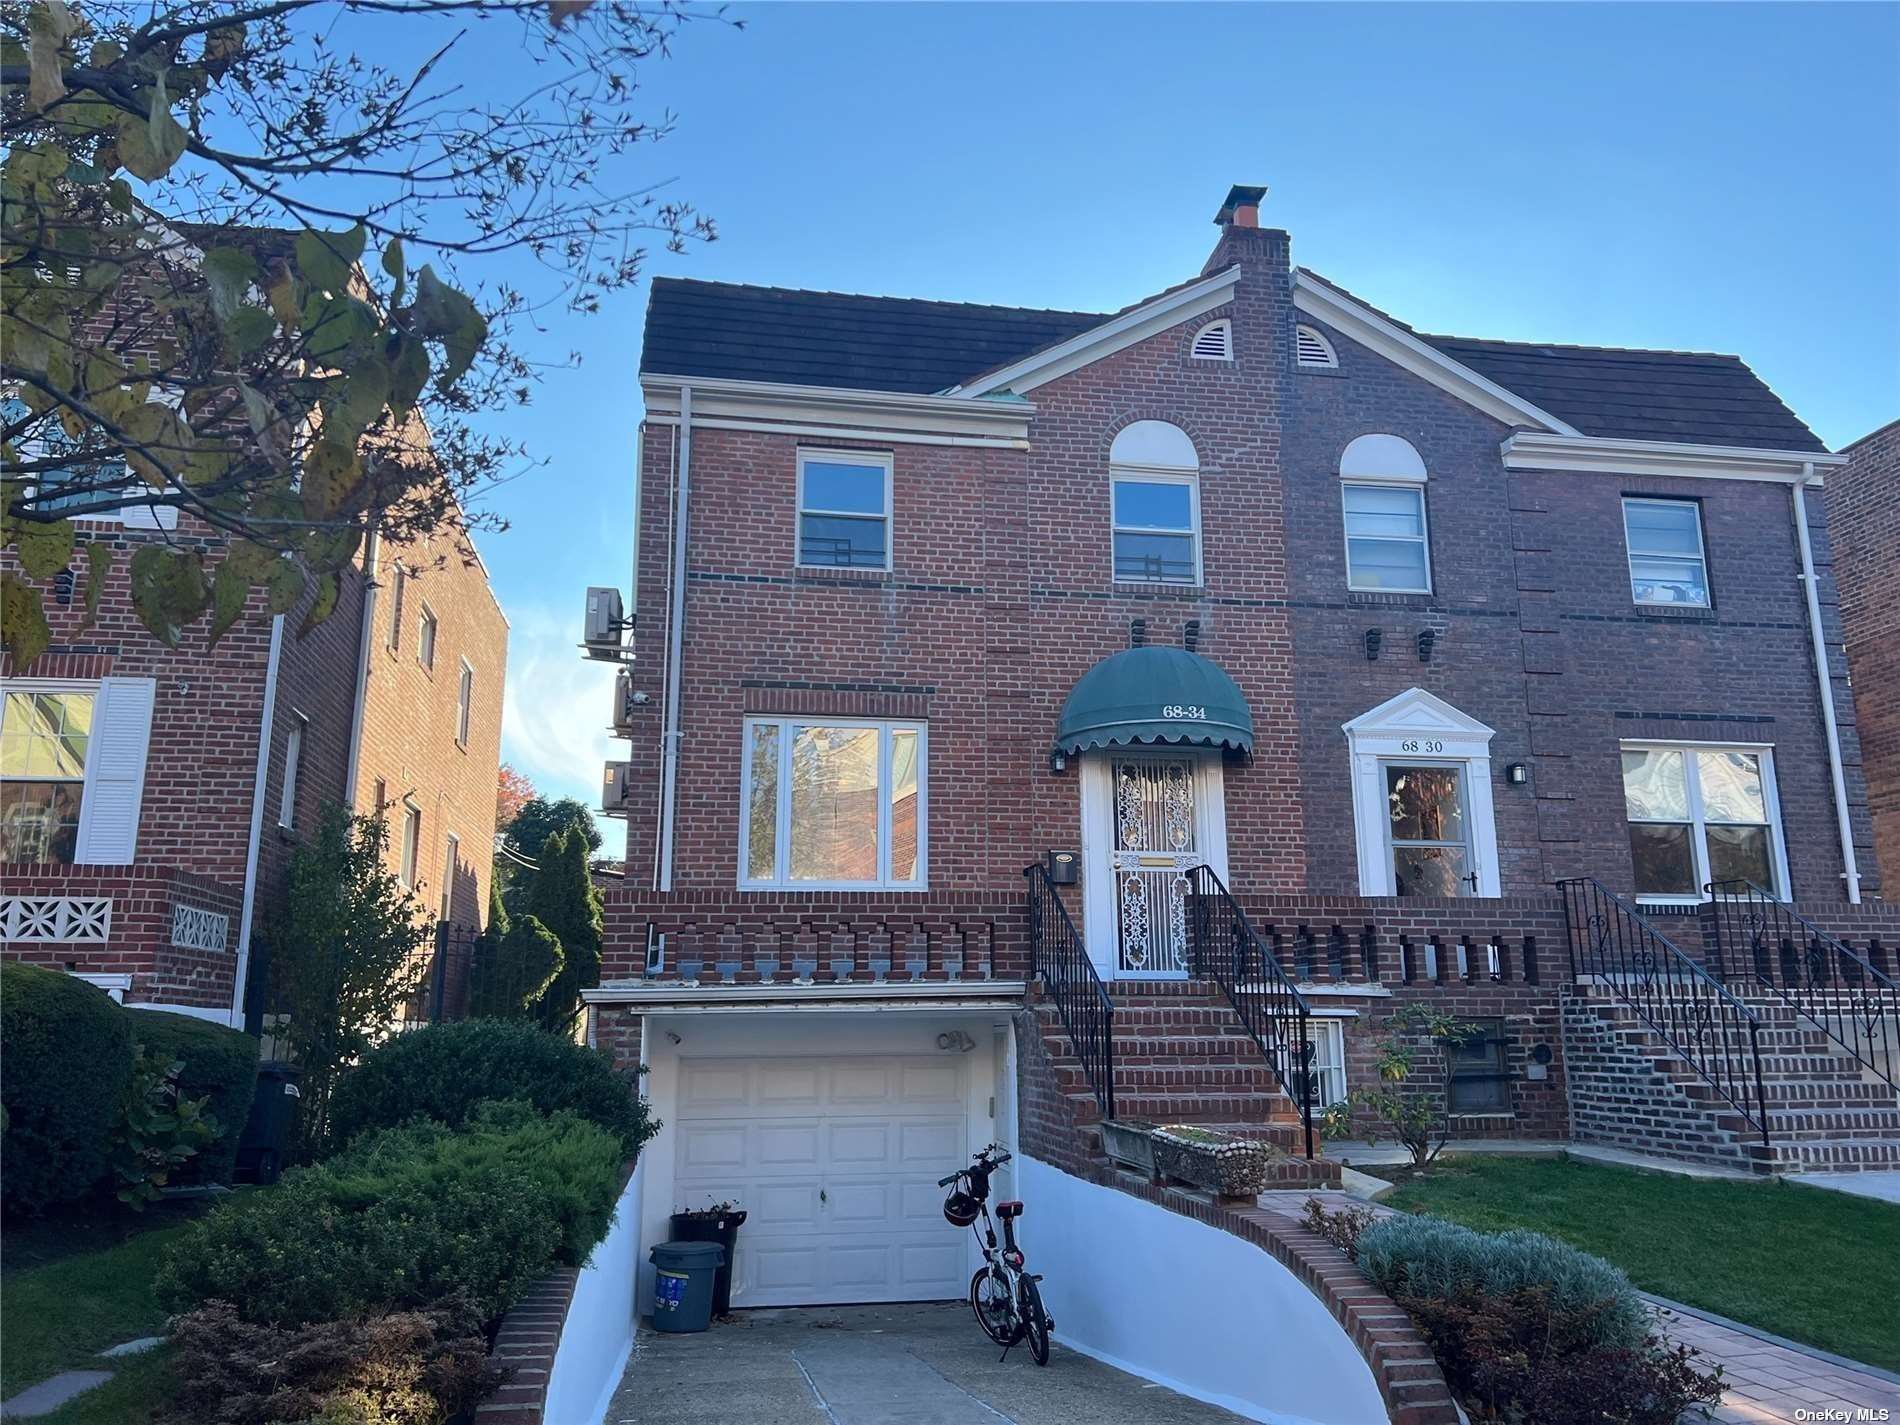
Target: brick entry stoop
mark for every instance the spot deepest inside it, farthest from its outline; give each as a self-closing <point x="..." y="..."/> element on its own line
<point x="1629" y="1089"/>
<point x="1183" y="1056"/>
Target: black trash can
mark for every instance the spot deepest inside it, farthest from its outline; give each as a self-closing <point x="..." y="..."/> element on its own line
<point x="266" y="1139"/>
<point x="723" y="1228"/>
<point x="683" y="1284"/>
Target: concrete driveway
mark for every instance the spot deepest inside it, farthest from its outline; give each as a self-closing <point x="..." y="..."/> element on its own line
<point x="878" y="1365"/>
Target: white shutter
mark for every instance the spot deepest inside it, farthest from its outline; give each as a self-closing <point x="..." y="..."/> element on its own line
<point x="115" y="771"/>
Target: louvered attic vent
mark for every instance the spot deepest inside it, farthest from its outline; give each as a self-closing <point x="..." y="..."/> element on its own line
<point x="1214" y="342"/>
<point x="1312" y="349"/>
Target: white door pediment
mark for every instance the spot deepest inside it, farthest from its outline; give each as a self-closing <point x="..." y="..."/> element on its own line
<point x="1419" y="726"/>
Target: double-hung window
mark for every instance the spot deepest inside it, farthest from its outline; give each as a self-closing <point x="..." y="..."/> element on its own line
<point x="1701" y="814"/>
<point x="411" y="842"/>
<point x="425" y="638"/>
<point x="1157" y="522"/>
<point x="293" y="763"/>
<point x="44" y="738"/>
<point x="1325" y="1061"/>
<point x="1479" y="1076"/>
<point x="464" y="703"/>
<point x="837" y="804"/>
<point x="1667" y="561"/>
<point x="844" y="509"/>
<point x="1386" y="546"/>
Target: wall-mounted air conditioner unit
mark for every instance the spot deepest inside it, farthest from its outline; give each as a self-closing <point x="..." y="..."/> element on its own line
<point x="616" y="788"/>
<point x="625" y="701"/>
<point x="605" y="623"/>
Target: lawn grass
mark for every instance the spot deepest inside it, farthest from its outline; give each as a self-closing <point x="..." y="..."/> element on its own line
<point x="1815" y="1266"/>
<point x="59" y="1315"/>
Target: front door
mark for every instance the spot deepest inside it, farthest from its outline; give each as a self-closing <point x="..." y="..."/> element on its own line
<point x="1156" y="842"/>
<point x="1428" y="830"/>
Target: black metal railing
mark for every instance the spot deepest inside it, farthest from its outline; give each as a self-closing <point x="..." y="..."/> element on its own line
<point x="1058" y="957"/>
<point x="1223" y="947"/>
<point x="1819" y="976"/>
<point x="1693" y="1012"/>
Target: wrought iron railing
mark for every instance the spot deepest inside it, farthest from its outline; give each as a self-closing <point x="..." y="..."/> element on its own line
<point x="1060" y="959"/>
<point x="1710" y="1029"/>
<point x="1819" y="976"/>
<point x="1223" y="947"/>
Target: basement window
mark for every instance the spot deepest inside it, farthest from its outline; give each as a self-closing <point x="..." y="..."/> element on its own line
<point x="1480" y="1078"/>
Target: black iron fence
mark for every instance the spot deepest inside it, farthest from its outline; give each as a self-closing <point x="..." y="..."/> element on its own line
<point x="1061" y="961"/>
<point x="1819" y="976"/>
<point x="1223" y="947"/>
<point x="1693" y="1012"/>
<point x="441" y="972"/>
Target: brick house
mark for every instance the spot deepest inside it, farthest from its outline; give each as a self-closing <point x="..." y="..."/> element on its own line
<point x="150" y="797"/>
<point x="1863" y="506"/>
<point x="1125" y="706"/>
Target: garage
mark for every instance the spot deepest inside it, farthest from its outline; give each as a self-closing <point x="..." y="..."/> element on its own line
<point x="836" y="1161"/>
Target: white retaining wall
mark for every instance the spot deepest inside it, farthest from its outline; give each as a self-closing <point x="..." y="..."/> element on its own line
<point x="597" y="1338"/>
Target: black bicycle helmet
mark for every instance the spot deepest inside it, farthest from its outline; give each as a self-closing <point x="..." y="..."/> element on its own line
<point x="960" y="1209"/>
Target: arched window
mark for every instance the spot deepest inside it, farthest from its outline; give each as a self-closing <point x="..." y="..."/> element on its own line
<point x="1382" y="494"/>
<point x="1310" y="348"/>
<point x="1155" y="505"/>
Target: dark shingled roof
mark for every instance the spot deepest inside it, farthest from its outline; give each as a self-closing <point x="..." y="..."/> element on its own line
<point x="724" y="330"/>
<point x="729" y="331"/>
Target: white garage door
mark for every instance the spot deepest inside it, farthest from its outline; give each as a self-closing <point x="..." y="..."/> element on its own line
<point x="836" y="1162"/>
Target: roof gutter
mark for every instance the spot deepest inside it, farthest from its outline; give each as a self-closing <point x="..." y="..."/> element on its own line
<point x="1850" y="869"/>
<point x="365" y="638"/>
<point x="675" y="643"/>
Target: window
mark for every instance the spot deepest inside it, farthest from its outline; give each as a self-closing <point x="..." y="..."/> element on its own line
<point x="1326" y="1061"/>
<point x="464" y="699"/>
<point x="398" y="587"/>
<point x="1699" y="815"/>
<point x="836" y="804"/>
<point x="293" y="758"/>
<point x="1665" y="550"/>
<point x="1428" y="831"/>
<point x="44" y="740"/>
<point x="1214" y="342"/>
<point x="451" y="863"/>
<point x="1385" y="539"/>
<point x="425" y="638"/>
<point x="1156" y="522"/>
<point x="411" y="841"/>
<point x="382" y="795"/>
<point x="47" y="439"/>
<point x="1310" y="348"/>
<point x="844" y="510"/>
<point x="1480" y="1076"/>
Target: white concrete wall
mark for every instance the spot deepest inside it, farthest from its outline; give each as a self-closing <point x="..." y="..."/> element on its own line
<point x="1188" y="1306"/>
<point x="597" y="1338"/>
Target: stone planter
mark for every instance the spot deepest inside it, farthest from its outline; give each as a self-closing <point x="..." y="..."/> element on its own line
<point x="1131" y="1143"/>
<point x="1213" y="1161"/>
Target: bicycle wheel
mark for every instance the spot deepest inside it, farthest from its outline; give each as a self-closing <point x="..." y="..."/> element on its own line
<point x="1035" y="1322"/>
<point x="995" y="1312"/>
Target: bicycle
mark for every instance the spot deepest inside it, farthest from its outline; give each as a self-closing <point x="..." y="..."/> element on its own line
<point x="1003" y="1295"/>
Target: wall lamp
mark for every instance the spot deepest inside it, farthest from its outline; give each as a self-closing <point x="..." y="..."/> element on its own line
<point x="1058" y="761"/>
<point x="1517" y="774"/>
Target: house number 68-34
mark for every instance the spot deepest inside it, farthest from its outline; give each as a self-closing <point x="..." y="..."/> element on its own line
<point x="1412" y="744"/>
<point x="1186" y="711"/>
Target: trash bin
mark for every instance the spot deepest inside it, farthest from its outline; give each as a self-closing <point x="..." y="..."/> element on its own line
<point x="714" y="1225"/>
<point x="683" y="1284"/>
<point x="265" y="1141"/>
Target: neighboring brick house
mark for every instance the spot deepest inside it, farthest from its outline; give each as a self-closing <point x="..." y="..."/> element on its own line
<point x="1863" y="506"/>
<point x="1247" y="588"/>
<point x="150" y="797"/>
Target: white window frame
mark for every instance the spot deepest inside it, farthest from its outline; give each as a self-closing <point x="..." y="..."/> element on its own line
<point x="1468" y="845"/>
<point x="781" y="878"/>
<point x="464" y="703"/>
<point x="398" y="586"/>
<point x="451" y="858"/>
<point x="293" y="761"/>
<point x="409" y="854"/>
<point x="1424" y="536"/>
<point x="427" y="623"/>
<point x="1630" y="554"/>
<point x="1156" y="475"/>
<point x="1327" y="1032"/>
<point x="31" y="686"/>
<point x="1331" y="361"/>
<point x="1764" y="752"/>
<point x="133" y="514"/>
<point x="1417" y="729"/>
<point x="867" y="458"/>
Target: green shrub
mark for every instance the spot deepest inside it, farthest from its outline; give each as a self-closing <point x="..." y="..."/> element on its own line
<point x="444" y="1071"/>
<point x="220" y="1066"/>
<point x="513" y="967"/>
<point x="1427" y="1258"/>
<point x="160" y="1132"/>
<point x="68" y="1052"/>
<point x="411" y="1368"/>
<point x="404" y="1220"/>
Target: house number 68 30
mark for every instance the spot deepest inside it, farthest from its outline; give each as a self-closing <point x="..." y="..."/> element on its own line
<point x="1412" y="744"/>
<point x="1184" y="710"/>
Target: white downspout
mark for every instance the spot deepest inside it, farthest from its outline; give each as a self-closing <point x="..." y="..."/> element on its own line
<point x="258" y="787"/>
<point x="1842" y="820"/>
<point x="675" y="638"/>
<point x="366" y="637"/>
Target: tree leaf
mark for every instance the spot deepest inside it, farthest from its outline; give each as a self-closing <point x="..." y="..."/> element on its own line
<point x="285" y="583"/>
<point x="408" y="374"/>
<point x="228" y="271"/>
<point x="98" y="569"/>
<point x="284" y="304"/>
<point x="364" y="395"/>
<point x="452" y="319"/>
<point x="324" y="259"/>
<point x="392" y="264"/>
<point x="168" y="138"/>
<point x="223" y="47"/>
<point x="44" y="549"/>
<point x="230" y="589"/>
<point x="23" y="630"/>
<point x="247" y="330"/>
<point x="48" y="26"/>
<point x="324" y="606"/>
<point x="168" y="590"/>
<point x="150" y="147"/>
<point x="330" y="473"/>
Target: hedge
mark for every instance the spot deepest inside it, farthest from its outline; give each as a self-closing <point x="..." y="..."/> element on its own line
<point x="442" y="1072"/>
<point x="68" y="1051"/>
<point x="220" y="1064"/>
<point x="406" y="1219"/>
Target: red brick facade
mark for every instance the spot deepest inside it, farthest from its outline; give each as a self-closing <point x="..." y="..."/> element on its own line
<point x="1863" y="508"/>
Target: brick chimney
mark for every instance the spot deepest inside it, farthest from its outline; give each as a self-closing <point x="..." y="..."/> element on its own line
<point x="1242" y="239"/>
<point x="1242" y="208"/>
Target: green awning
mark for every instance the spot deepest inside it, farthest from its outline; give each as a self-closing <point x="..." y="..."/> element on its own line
<point x="1155" y="694"/>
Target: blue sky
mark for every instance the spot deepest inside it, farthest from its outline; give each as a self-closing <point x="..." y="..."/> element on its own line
<point x="1707" y="177"/>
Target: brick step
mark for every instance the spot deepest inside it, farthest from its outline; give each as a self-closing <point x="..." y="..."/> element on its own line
<point x="1624" y="1021"/>
<point x="1162" y="1107"/>
<point x="1809" y="1123"/>
<point x="1176" y="1078"/>
<point x="1188" y="1044"/>
<point x="1815" y="1093"/>
<point x="1837" y="1155"/>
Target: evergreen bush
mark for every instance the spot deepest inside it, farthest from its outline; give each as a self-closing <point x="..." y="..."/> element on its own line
<point x="218" y="1065"/>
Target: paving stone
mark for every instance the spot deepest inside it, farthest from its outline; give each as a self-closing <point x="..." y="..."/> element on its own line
<point x="135" y="1348"/>
<point x="49" y="1395"/>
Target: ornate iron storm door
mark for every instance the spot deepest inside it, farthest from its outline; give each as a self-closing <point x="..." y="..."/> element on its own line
<point x="1155" y="844"/>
